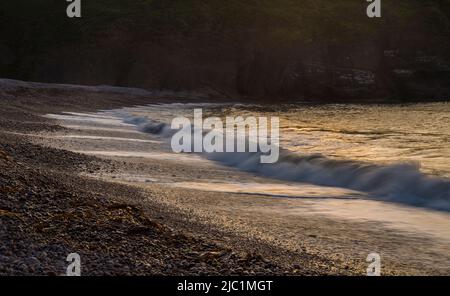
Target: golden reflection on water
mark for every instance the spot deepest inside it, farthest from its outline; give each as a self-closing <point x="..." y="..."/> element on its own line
<point x="379" y="134"/>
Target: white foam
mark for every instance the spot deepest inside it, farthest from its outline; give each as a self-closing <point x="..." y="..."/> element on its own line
<point x="154" y="155"/>
<point x="405" y="218"/>
<point x="271" y="189"/>
<point x="95" y="128"/>
<point x="106" y="138"/>
<point x="93" y="115"/>
<point x="89" y="119"/>
<point x="336" y="202"/>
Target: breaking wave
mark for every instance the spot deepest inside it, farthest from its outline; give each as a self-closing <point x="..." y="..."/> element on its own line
<point x="149" y="126"/>
<point x="402" y="183"/>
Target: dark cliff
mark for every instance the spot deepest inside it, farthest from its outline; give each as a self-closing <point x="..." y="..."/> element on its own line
<point x="319" y="50"/>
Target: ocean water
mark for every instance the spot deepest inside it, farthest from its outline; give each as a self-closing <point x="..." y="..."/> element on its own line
<point x="376" y="163"/>
<point x="395" y="153"/>
<point x="359" y="178"/>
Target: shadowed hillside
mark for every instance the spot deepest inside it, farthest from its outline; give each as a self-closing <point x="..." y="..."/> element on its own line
<point x="297" y="49"/>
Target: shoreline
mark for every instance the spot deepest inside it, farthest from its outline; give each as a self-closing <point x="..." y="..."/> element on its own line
<point x="194" y="95"/>
<point x="154" y="229"/>
<point x="48" y="210"/>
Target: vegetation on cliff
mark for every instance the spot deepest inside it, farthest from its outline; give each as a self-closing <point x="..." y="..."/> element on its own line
<point x="308" y="49"/>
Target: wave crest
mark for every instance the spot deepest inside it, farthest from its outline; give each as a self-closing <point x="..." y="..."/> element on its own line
<point x="402" y="182"/>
